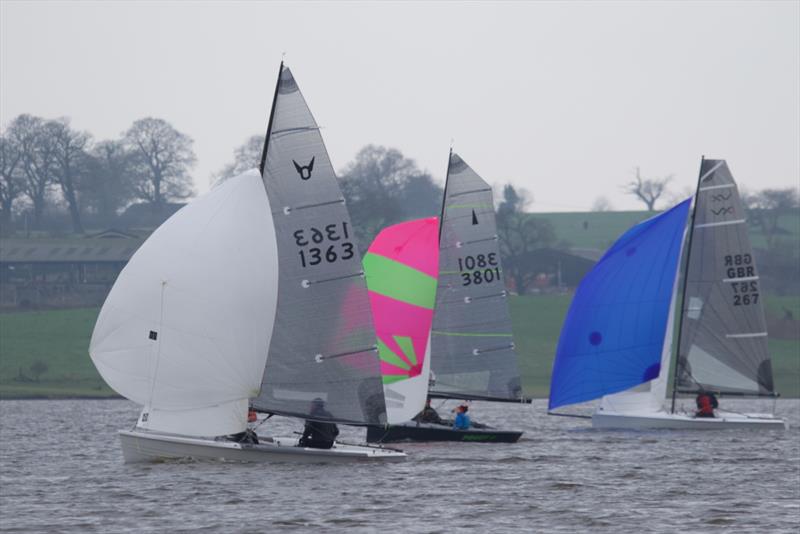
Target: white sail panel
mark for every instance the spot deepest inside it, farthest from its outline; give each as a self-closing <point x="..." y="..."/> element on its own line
<point x="406" y="398"/>
<point x="188" y="322"/>
<point x="217" y="420"/>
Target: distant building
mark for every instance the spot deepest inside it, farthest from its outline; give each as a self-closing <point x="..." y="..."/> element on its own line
<point x="550" y="270"/>
<point x="62" y="273"/>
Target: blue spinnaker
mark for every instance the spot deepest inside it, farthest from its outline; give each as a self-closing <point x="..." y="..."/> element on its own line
<point x="613" y="334"/>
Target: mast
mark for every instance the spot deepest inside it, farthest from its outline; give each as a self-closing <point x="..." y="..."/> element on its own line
<point x="444" y="195"/>
<point x="685" y="285"/>
<point x="263" y="162"/>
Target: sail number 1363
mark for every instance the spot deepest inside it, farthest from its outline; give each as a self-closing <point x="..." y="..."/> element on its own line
<point x="328" y="244"/>
<point x="479" y="269"/>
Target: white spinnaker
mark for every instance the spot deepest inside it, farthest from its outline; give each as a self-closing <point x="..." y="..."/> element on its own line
<point x="649" y="397"/>
<point x="205" y="283"/>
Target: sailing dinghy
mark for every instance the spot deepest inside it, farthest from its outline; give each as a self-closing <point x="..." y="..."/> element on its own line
<point x="616" y="342"/>
<point x="472" y="347"/>
<point x="250" y="296"/>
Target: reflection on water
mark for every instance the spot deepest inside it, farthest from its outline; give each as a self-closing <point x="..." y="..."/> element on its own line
<point x="61" y="470"/>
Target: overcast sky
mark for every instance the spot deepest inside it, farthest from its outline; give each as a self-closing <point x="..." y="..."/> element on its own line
<point x="561" y="98"/>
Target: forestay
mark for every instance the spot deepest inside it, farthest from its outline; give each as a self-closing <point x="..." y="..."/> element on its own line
<point x="402" y="266"/>
<point x="472" y="342"/>
<point x="323" y="343"/>
<point x="185" y="329"/>
<point x="614" y="333"/>
<point x="723" y="345"/>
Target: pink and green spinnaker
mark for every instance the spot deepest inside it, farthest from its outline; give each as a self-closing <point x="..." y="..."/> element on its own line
<point x="401" y="267"/>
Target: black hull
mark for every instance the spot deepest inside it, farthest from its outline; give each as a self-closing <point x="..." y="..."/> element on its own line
<point x="429" y="432"/>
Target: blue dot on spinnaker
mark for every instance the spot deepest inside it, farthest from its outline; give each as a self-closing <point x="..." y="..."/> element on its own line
<point x="651" y="372"/>
<point x="595" y="338"/>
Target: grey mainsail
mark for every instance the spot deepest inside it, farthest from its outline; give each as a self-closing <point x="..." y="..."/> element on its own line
<point x="472" y="345"/>
<point x="723" y="334"/>
<point x="323" y="340"/>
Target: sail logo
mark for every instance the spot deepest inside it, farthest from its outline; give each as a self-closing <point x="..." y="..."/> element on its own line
<point x="304" y="171"/>
<point x="723" y="211"/>
<point x="721" y="197"/>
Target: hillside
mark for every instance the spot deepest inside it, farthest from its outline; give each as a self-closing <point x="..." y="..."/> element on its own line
<point x="598" y="229"/>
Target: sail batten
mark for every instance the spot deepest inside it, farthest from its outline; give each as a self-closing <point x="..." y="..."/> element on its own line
<point x="323" y="344"/>
<point x="471" y="303"/>
<point x="723" y="342"/>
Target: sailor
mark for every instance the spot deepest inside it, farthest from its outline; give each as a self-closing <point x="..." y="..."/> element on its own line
<point x="706" y="402"/>
<point x="462" y="421"/>
<point x="318" y="434"/>
<point x="249" y="435"/>
<point x="429" y="415"/>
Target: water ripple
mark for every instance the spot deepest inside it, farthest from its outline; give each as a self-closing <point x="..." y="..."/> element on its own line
<point x="61" y="470"/>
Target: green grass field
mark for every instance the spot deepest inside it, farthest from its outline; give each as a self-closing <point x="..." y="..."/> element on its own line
<point x="537" y="323"/>
<point x="60" y="340"/>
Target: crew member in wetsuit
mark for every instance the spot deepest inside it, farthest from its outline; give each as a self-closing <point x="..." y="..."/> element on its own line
<point x="462" y="421"/>
<point x="318" y="434"/>
<point x="429" y="415"/>
<point x="706" y="403"/>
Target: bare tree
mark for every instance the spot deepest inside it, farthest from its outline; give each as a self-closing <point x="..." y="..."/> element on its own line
<point x="38" y="160"/>
<point x="601" y="204"/>
<point x="247" y="156"/>
<point x="648" y="190"/>
<point x="109" y="181"/>
<point x="383" y="187"/>
<point x="162" y="156"/>
<point x="11" y="180"/>
<point x="70" y="163"/>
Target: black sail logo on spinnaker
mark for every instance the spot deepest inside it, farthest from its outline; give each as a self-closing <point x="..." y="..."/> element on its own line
<point x="304" y="172"/>
<point x="474" y="218"/>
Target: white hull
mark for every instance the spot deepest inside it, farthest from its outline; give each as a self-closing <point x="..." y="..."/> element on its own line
<point x="681" y="421"/>
<point x="139" y="446"/>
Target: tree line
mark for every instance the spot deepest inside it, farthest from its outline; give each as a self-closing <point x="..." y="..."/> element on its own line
<point x="46" y="163"/>
<point x="384" y="187"/>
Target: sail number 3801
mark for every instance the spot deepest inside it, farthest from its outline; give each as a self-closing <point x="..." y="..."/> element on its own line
<point x="328" y="244"/>
<point x="479" y="269"/>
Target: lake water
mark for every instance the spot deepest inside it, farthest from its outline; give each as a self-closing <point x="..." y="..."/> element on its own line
<point x="61" y="470"/>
